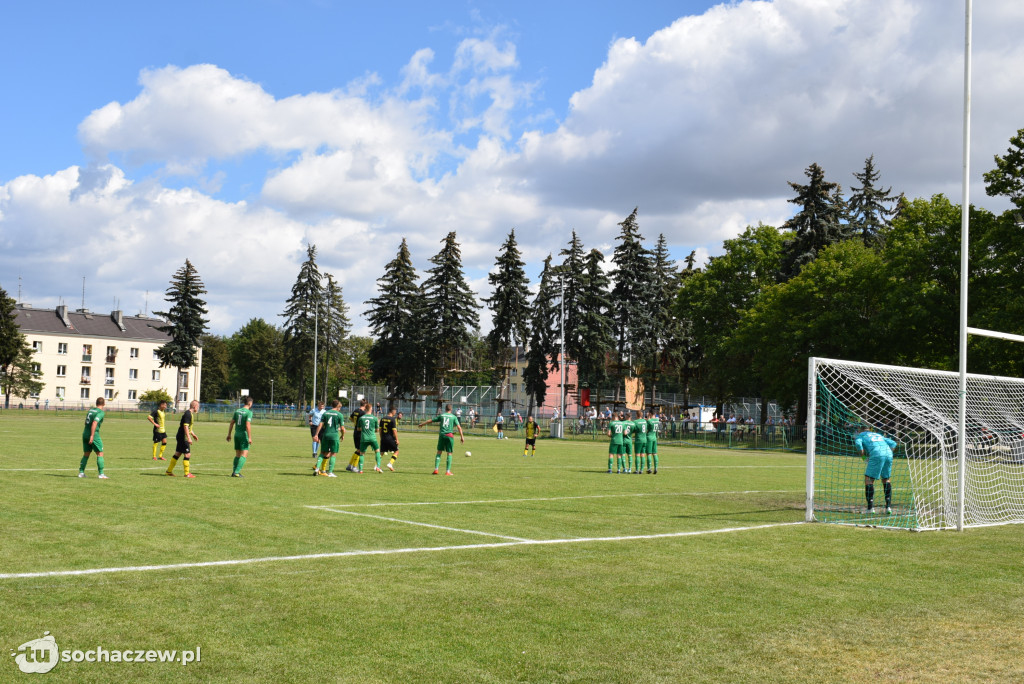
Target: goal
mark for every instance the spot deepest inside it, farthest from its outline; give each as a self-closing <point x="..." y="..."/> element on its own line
<point x="918" y="409"/>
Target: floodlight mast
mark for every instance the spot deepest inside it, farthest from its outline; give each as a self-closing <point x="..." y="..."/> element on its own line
<point x="965" y="210"/>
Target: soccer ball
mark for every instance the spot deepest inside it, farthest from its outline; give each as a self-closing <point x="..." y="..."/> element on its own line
<point x="469" y="453"/>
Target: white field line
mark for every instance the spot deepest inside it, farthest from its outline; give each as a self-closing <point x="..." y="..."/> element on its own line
<point x="91" y="467"/>
<point x="436" y="527"/>
<point x="381" y="552"/>
<point x="555" y="498"/>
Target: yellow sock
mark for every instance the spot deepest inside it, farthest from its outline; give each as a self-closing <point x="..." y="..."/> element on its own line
<point x="393" y="459"/>
<point x="185" y="464"/>
<point x="162" y="447"/>
<point x="154" y="449"/>
<point x="174" y="462"/>
<point x="354" y="461"/>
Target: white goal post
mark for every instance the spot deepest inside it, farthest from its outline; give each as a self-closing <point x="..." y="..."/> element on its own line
<point x="919" y="410"/>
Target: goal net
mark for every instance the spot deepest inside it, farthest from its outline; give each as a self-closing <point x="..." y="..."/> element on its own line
<point x="919" y="410"/>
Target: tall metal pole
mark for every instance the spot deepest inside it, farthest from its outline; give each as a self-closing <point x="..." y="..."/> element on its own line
<point x="561" y="388"/>
<point x="316" y="338"/>
<point x="965" y="207"/>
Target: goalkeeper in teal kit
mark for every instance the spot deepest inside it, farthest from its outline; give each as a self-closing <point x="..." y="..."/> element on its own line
<point x="878" y="451"/>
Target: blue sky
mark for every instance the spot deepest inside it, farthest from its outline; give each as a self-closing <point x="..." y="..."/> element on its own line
<point x="135" y="135"/>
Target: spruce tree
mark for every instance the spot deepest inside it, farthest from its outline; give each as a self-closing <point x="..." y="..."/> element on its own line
<point x="596" y="340"/>
<point x="451" y="307"/>
<point x="667" y="332"/>
<point x="543" y="335"/>
<point x="572" y="275"/>
<point x="185" y="322"/>
<point x="333" y="329"/>
<point x="631" y="295"/>
<point x="871" y="208"/>
<point x="818" y="224"/>
<point x="509" y="302"/>
<point x="1007" y="179"/>
<point x="394" y="317"/>
<point x="301" y="321"/>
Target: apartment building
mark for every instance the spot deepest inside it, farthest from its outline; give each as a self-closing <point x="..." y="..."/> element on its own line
<point x="82" y="355"/>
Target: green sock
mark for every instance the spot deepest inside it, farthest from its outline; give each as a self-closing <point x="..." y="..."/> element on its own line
<point x="241" y="463"/>
<point x="234" y="466"/>
<point x="655" y="461"/>
<point x="448" y="467"/>
<point x="360" y="461"/>
<point x="377" y="454"/>
<point x="609" y="463"/>
<point x="99" y="463"/>
<point x="437" y="461"/>
<point x="330" y="465"/>
<point x="83" y="463"/>
<point x="319" y="462"/>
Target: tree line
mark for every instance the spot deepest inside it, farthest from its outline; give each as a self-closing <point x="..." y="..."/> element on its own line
<point x="867" y="276"/>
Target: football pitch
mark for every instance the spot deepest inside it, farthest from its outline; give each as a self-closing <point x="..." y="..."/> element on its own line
<point x="542" y="569"/>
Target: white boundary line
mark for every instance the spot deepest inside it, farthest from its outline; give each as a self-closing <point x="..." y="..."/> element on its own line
<point x="382" y="552"/>
<point x="551" y="498"/>
<point x="436" y="527"/>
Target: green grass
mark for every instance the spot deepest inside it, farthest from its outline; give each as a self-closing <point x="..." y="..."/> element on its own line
<point x="799" y="603"/>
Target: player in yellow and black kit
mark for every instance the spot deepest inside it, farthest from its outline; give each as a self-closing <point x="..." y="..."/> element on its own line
<point x="353" y="463"/>
<point x="531" y="436"/>
<point x="389" y="437"/>
<point x="159" y="421"/>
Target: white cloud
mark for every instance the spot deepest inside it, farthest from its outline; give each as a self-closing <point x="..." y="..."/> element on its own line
<point x="700" y="125"/>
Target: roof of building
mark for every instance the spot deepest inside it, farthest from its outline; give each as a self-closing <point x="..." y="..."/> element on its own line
<point x="88" y="324"/>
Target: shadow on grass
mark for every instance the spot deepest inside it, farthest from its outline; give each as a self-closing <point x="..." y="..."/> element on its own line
<point x="730" y="514"/>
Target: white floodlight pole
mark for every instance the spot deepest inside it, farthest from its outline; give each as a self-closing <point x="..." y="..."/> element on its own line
<point x="965" y="207"/>
<point x="561" y="393"/>
<point x="316" y="338"/>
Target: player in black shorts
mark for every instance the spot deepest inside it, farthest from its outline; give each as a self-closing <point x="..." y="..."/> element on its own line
<point x="389" y="437"/>
<point x="353" y="464"/>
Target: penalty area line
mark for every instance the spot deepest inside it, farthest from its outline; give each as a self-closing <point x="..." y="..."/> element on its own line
<point x="383" y="552"/>
<point x="422" y="524"/>
<point x="550" y="498"/>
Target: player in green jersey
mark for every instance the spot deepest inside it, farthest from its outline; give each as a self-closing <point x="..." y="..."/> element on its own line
<point x="640" y="441"/>
<point x="331" y="421"/>
<point x="627" y="441"/>
<point x="653" y="427"/>
<point x="616" y="448"/>
<point x="241" y="424"/>
<point x="447" y="422"/>
<point x="91" y="440"/>
<point x="367" y="427"/>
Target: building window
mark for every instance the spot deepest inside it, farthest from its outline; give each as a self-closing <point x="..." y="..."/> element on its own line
<point x="183" y="379"/>
<point x="156" y="357"/>
<point x="515" y="387"/>
<point x="62" y="371"/>
<point x="133" y="353"/>
<point x="109" y="379"/>
<point x="133" y="373"/>
<point x="111" y="354"/>
<point x="86" y="353"/>
<point x="108" y="394"/>
<point x="133" y="394"/>
<point x="33" y="395"/>
<point x="86" y="375"/>
<point x="84" y="393"/>
<point x="156" y="375"/>
<point x="37" y="368"/>
<point x="183" y="396"/>
<point x="62" y="348"/>
<point x="37" y="345"/>
<point x="60" y="393"/>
